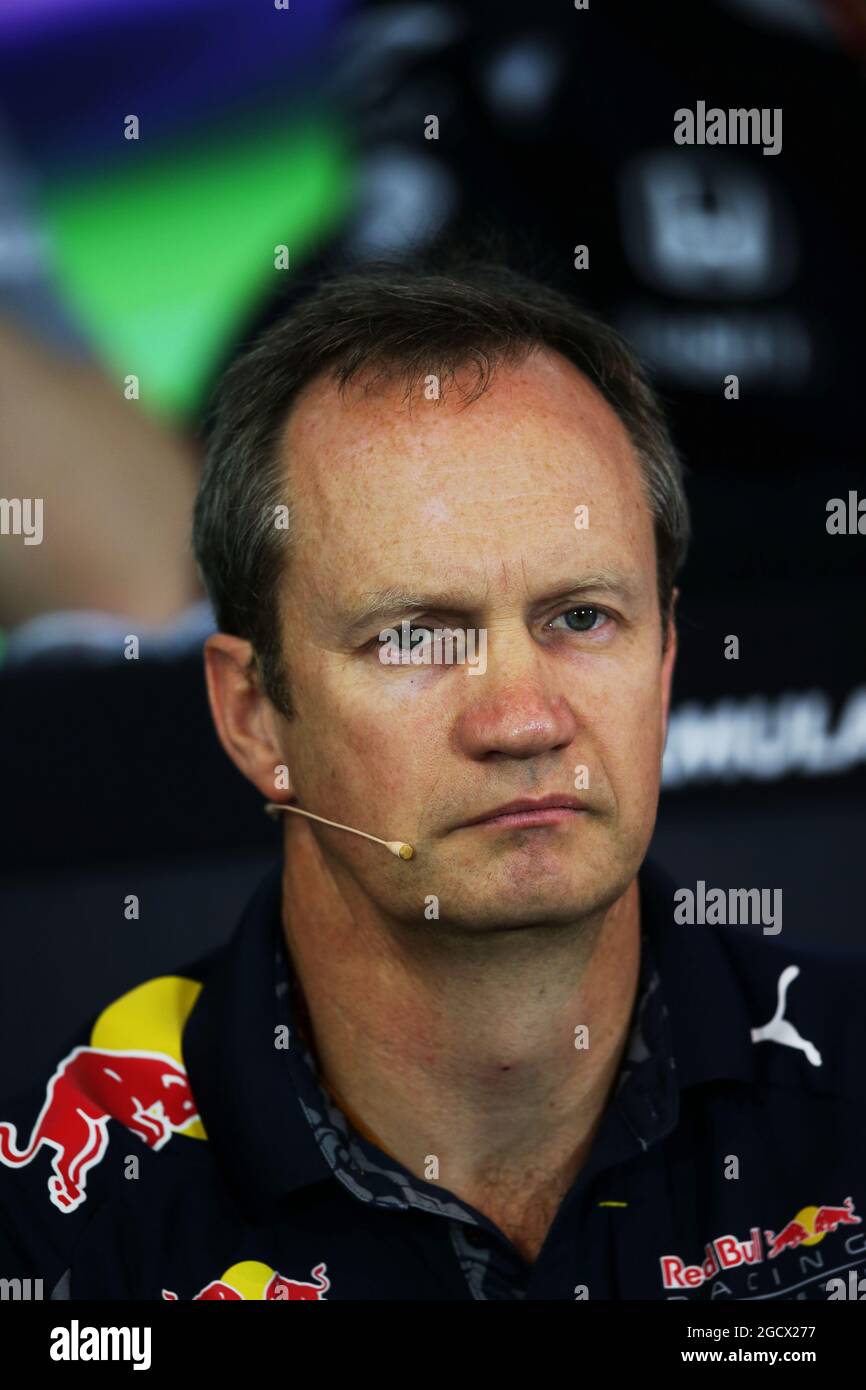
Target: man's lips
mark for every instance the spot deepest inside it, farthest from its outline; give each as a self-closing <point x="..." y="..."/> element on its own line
<point x="545" y="810"/>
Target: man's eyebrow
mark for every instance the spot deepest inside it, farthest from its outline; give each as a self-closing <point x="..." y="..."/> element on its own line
<point x="396" y="601"/>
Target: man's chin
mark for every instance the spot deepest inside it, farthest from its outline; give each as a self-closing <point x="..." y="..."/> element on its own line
<point x="543" y="881"/>
<point x="483" y="915"/>
<point x="496" y="901"/>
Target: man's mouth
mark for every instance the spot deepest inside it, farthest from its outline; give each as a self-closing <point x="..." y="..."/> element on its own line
<point x="544" y="810"/>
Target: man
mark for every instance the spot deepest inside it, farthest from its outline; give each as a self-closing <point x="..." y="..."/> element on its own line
<point x="498" y="1068"/>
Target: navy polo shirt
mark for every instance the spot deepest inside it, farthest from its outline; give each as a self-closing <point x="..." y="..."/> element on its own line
<point x="180" y="1151"/>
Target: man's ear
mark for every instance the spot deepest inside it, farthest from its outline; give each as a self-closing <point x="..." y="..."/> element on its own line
<point x="244" y="717"/>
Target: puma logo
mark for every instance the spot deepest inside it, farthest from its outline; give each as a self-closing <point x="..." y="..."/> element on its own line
<point x="779" y="1030"/>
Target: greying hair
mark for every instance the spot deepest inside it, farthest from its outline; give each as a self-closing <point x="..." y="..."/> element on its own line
<point x="396" y="320"/>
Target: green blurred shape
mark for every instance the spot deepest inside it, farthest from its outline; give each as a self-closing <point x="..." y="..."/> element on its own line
<point x="163" y="262"/>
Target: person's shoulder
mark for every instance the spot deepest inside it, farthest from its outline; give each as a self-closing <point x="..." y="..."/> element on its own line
<point x="802" y="1001"/>
<point x="841" y="969"/>
<point x="63" y="1137"/>
<point x="805" y="1003"/>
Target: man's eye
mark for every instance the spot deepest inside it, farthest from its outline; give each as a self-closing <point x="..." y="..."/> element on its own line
<point x="415" y="628"/>
<point x="580" y="619"/>
<point x="408" y="645"/>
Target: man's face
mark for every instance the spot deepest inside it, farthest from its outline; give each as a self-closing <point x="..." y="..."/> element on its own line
<point x="471" y="510"/>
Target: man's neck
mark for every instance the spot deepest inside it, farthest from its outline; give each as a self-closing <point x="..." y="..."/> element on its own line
<point x="466" y="1049"/>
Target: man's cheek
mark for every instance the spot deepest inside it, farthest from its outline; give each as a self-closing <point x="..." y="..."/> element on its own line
<point x="628" y="744"/>
<point x="377" y="767"/>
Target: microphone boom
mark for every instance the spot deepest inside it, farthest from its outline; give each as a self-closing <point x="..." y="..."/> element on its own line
<point x="397" y="847"/>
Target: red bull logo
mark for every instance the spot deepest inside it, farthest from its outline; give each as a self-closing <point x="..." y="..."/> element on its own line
<point x="131" y="1072"/>
<point x="252" y="1280"/>
<point x="808" y="1227"/>
<point x="148" y="1092"/>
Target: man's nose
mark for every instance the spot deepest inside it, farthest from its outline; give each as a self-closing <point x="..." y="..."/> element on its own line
<point x="516" y="707"/>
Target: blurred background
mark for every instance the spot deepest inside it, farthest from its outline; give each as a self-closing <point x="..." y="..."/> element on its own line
<point x="133" y="269"/>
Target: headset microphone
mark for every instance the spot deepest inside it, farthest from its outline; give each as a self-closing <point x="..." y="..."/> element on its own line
<point x="398" y="847"/>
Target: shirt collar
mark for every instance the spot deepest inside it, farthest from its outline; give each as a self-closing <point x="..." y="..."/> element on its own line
<point x="275" y="1129"/>
<point x="704" y="1002"/>
<point x="245" y="1093"/>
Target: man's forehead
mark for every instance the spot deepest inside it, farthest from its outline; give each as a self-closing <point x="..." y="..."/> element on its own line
<point x="406" y="496"/>
<point x="336" y="437"/>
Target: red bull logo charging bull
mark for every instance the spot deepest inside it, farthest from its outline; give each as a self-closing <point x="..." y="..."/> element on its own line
<point x="808" y="1227"/>
<point x="147" y="1092"/>
<point x="131" y="1072"/>
<point x="252" y="1280"/>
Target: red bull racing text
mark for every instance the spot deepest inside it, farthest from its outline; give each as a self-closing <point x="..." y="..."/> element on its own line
<point x="809" y="1226"/>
